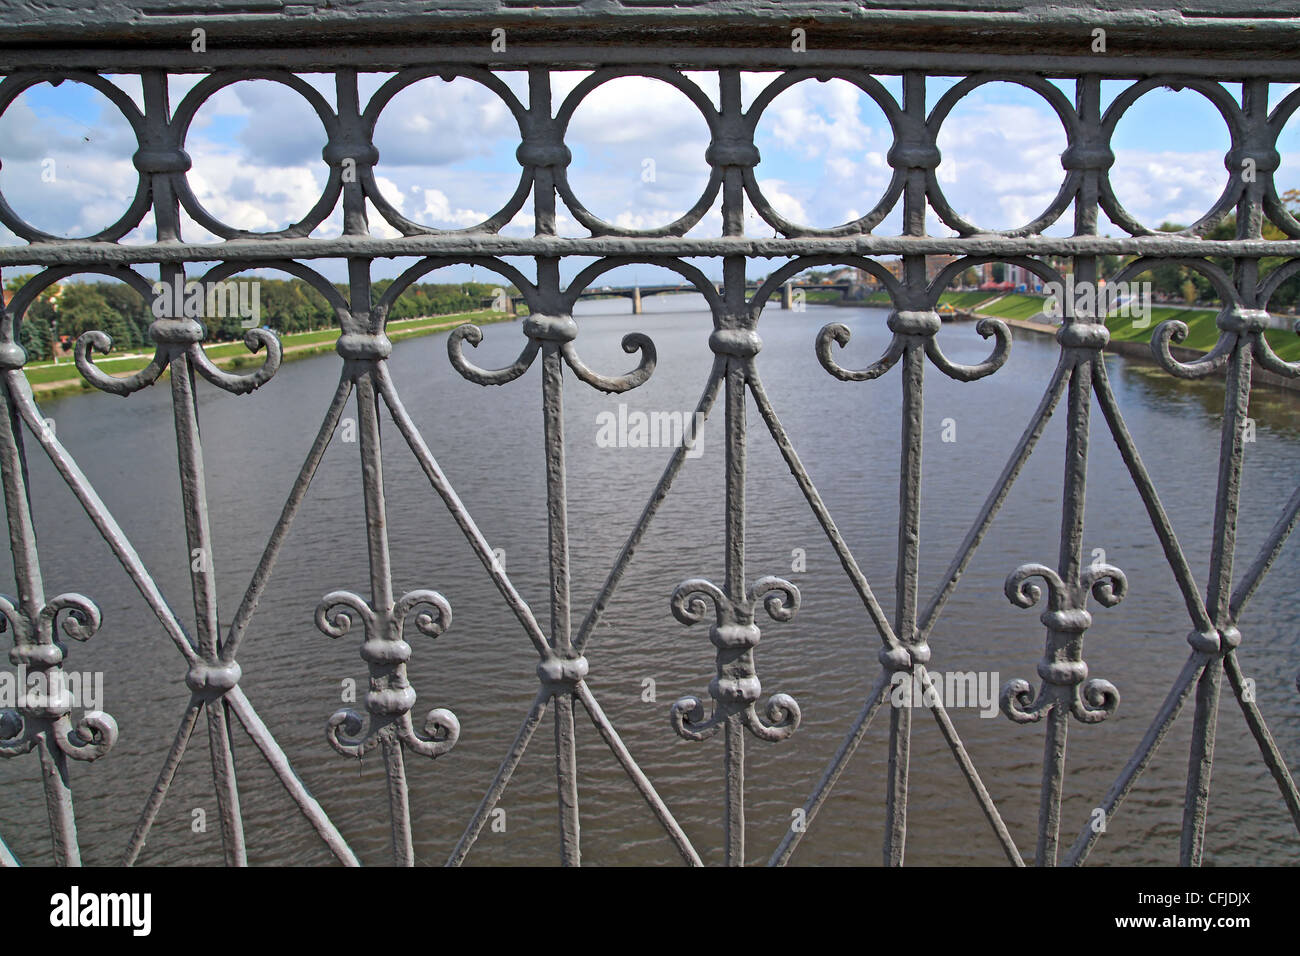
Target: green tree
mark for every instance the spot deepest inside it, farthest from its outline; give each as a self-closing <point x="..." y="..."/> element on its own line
<point x="34" y="333"/>
<point x="37" y="338"/>
<point x="134" y="310"/>
<point x="82" y="308"/>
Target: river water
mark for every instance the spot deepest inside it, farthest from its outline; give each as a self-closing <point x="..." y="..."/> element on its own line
<point x="489" y="443"/>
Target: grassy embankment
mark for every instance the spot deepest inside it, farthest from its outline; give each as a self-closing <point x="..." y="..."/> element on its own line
<point x="958" y="300"/>
<point x="1202" y="332"/>
<point x="49" y="379"/>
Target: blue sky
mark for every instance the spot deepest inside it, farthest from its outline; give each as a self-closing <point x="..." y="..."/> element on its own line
<point x="447" y="156"/>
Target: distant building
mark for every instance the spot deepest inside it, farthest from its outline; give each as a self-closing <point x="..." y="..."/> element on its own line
<point x="1022" y="279"/>
<point x="894" y="267"/>
<point x="936" y="264"/>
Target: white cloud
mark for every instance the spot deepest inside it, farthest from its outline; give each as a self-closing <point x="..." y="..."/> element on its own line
<point x="816" y="119"/>
<point x="435" y="123"/>
<point x="782" y="200"/>
<point x="258" y="198"/>
<point x="438" y="211"/>
<point x="823" y="149"/>
<point x="639" y="148"/>
<point x="1166" y="186"/>
<point x="1001" y="162"/>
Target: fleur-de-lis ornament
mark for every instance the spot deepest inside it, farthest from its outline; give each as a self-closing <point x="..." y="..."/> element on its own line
<point x="736" y="688"/>
<point x="46" y="703"/>
<point x="1063" y="670"/>
<point x="391" y="696"/>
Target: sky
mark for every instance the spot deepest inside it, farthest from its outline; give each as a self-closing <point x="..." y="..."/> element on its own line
<point x="447" y="158"/>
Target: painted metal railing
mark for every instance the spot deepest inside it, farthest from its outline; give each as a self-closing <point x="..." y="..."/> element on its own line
<point x="551" y="337"/>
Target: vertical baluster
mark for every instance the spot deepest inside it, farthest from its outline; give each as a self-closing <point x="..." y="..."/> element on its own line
<point x="548" y="281"/>
<point x="353" y="141"/>
<point x="733" y="224"/>
<point x="733" y="176"/>
<point x="198" y="535"/>
<point x="1078" y="404"/>
<point x="381" y="590"/>
<point x="1201" y="759"/>
<point x="550" y="331"/>
<point x="390" y="699"/>
<point x="557" y="529"/>
<point x="909" y="487"/>
<point x="1077" y="423"/>
<point x="736" y="688"/>
<point x="166" y="209"/>
<point x="1236" y="402"/>
<point x="734" y="397"/>
<point x="539" y="110"/>
<point x="42" y="719"/>
<point x="31" y="594"/>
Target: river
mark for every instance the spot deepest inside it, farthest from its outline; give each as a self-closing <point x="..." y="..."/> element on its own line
<point x="489" y="443"/>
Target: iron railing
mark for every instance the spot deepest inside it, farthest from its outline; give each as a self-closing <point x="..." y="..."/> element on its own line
<point x="210" y="651"/>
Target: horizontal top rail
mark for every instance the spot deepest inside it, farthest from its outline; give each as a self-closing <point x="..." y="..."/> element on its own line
<point x="1244" y="29"/>
<point x="89" y="253"/>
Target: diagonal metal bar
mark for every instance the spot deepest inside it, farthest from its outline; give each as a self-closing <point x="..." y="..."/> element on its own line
<point x="1164" y="530"/>
<point x="801" y="476"/>
<point x="597" y="610"/>
<point x="638" y="777"/>
<point x="831" y="775"/>
<point x="131" y="562"/>
<point x="502" y="779"/>
<point x="165" y="777"/>
<point x="275" y="756"/>
<point x="1142" y="756"/>
<point x="458" y="511"/>
<point x="7" y="859"/>
<point x="1028" y="440"/>
<point x="100" y="516"/>
<point x="987" y="806"/>
<point x="239" y="625"/>
<point x="1268" y="553"/>
<point x="1268" y="749"/>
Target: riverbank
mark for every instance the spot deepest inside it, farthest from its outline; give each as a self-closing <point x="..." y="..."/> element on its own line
<point x="1127" y="338"/>
<point x="49" y="380"/>
<point x="1140" y="350"/>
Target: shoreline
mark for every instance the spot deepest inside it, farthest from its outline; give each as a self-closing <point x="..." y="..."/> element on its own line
<point x="75" y="384"/>
<point x="1141" y="351"/>
<point x="1130" y="349"/>
<point x="1135" y="349"/>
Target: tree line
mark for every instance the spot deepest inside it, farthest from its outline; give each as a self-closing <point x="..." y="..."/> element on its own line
<point x="68" y="309"/>
<point x="1170" y="282"/>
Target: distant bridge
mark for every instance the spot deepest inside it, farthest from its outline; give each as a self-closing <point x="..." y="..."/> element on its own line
<point x="637" y="292"/>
